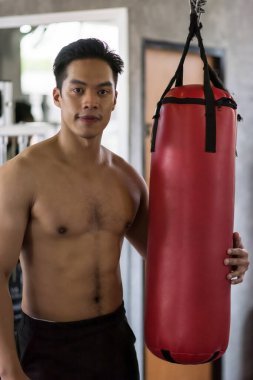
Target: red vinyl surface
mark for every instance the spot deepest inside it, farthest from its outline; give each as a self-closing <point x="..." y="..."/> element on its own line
<point x="187" y="308"/>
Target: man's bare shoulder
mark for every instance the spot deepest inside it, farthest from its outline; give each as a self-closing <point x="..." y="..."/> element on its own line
<point x="39" y="150"/>
<point x="121" y="164"/>
<point x="127" y="171"/>
<point x="20" y="171"/>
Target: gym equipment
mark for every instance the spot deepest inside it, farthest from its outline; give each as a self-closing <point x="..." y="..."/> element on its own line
<point x="187" y="310"/>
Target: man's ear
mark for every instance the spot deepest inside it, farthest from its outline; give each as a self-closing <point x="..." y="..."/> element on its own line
<point x="57" y="97"/>
<point x="115" y="100"/>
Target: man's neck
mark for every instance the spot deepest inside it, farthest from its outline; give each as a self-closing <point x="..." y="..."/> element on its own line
<point x="77" y="149"/>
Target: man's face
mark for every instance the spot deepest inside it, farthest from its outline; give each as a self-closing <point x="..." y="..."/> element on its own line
<point x="87" y="98"/>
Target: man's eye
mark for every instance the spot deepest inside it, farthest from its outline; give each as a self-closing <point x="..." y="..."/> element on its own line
<point x="103" y="92"/>
<point x="78" y="90"/>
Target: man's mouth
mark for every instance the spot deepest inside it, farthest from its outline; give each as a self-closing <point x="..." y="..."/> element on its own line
<point x="88" y="117"/>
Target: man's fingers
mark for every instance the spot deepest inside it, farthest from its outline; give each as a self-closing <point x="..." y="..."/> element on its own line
<point x="237" y="262"/>
<point x="235" y="274"/>
<point x="237" y="280"/>
<point x="237" y="241"/>
<point x="238" y="252"/>
<point x="236" y="277"/>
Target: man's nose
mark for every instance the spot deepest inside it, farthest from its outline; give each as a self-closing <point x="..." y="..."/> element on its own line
<point x="90" y="99"/>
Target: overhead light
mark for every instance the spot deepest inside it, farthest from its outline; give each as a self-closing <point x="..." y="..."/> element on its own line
<point x="25" y="29"/>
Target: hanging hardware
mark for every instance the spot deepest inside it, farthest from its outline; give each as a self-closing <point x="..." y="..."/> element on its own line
<point x="197" y="7"/>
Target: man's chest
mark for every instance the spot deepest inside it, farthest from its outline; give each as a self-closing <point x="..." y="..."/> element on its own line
<point x="79" y="207"/>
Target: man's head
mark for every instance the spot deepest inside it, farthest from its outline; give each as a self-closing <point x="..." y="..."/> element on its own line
<point x="86" y="48"/>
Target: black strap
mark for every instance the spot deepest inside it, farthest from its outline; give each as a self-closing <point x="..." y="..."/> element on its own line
<point x="209" y="76"/>
<point x="221" y="102"/>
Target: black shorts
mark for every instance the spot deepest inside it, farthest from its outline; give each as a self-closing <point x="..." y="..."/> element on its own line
<point x="93" y="349"/>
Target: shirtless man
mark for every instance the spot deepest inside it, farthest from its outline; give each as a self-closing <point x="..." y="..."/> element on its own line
<point x="66" y="204"/>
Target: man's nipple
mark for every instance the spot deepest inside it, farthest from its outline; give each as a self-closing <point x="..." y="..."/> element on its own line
<point x="62" y="230"/>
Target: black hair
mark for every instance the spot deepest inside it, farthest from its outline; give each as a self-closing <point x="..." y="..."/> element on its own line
<point x="86" y="48"/>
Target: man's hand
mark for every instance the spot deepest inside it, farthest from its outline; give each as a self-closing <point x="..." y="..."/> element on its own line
<point x="238" y="260"/>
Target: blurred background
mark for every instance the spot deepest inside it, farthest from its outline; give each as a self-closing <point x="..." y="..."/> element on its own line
<point x="149" y="36"/>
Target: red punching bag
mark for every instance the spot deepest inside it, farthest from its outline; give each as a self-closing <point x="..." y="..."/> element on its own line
<point x="187" y="311"/>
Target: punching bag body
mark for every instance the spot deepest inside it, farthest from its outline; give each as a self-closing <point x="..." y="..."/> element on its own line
<point x="190" y="229"/>
<point x="187" y="309"/>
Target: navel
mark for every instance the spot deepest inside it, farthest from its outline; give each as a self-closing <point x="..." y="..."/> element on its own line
<point x="97" y="299"/>
<point x="97" y="296"/>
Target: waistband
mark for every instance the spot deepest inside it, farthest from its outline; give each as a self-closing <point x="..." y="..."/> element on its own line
<point x="101" y="321"/>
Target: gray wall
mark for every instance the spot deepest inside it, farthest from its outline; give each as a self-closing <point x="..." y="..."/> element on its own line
<point x="227" y="24"/>
<point x="10" y="60"/>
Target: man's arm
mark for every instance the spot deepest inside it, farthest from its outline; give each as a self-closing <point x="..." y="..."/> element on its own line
<point x="137" y="233"/>
<point x="15" y="198"/>
<point x="238" y="260"/>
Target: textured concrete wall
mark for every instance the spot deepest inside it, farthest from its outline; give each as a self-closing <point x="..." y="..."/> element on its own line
<point x="227" y="24"/>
